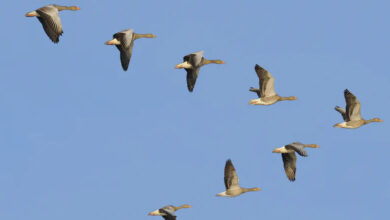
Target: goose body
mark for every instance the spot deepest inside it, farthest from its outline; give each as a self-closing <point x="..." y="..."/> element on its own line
<point x="289" y="158"/>
<point x="232" y="182"/>
<point x="50" y="20"/>
<point x="168" y="212"/>
<point x="266" y="91"/>
<point x="351" y="115"/>
<point x="192" y="63"/>
<point x="124" y="41"/>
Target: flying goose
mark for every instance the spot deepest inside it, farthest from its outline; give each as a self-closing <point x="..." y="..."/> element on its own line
<point x="289" y="157"/>
<point x="124" y="41"/>
<point x="351" y="116"/>
<point x="51" y="22"/>
<point x="231" y="182"/>
<point x="266" y="92"/>
<point x="168" y="212"/>
<point x="192" y="63"/>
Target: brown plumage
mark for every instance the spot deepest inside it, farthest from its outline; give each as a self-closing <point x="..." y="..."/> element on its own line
<point x="352" y="117"/>
<point x="290" y="159"/>
<point x="50" y="20"/>
<point x="232" y="182"/>
<point x="266" y="92"/>
<point x="192" y="63"/>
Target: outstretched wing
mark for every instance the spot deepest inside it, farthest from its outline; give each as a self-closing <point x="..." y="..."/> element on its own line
<point x="231" y="178"/>
<point x="257" y="91"/>
<point x="51" y="22"/>
<point x="297" y="147"/>
<point x="289" y="163"/>
<point x="192" y="75"/>
<point x="342" y="112"/>
<point x="167" y="215"/>
<point x="125" y="47"/>
<point x="353" y="106"/>
<point x="266" y="82"/>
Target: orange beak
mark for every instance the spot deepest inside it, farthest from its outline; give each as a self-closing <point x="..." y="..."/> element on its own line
<point x="179" y="66"/>
<point x="110" y="42"/>
<point x="30" y="14"/>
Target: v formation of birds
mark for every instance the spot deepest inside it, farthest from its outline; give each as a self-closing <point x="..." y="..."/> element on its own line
<point x="124" y="41"/>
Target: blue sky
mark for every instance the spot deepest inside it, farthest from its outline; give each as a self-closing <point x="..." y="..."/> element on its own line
<point x="81" y="139"/>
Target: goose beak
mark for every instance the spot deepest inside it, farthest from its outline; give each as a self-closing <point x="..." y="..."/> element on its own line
<point x="155" y="212"/>
<point x="179" y="66"/>
<point x="337" y="126"/>
<point x="30" y="14"/>
<point x="77" y="8"/>
<point x="252" y="101"/>
<point x="112" y="42"/>
<point x="276" y="151"/>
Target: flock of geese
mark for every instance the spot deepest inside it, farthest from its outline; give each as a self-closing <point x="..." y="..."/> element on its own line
<point x="124" y="41"/>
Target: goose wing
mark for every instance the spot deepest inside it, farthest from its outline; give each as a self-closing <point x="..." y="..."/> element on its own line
<point x="289" y="163"/>
<point x="194" y="59"/>
<point x="342" y="112"/>
<point x="231" y="178"/>
<point x="266" y="82"/>
<point x="126" y="47"/>
<point x="167" y="215"/>
<point x="192" y="75"/>
<point x="297" y="147"/>
<point x="51" y="22"/>
<point x="353" y="106"/>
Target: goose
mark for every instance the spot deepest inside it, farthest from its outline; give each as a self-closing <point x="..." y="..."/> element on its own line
<point x="233" y="188"/>
<point x="168" y="212"/>
<point x="266" y="92"/>
<point x="192" y="63"/>
<point x="51" y="22"/>
<point x="351" y="116"/>
<point x="124" y="41"/>
<point x="289" y="158"/>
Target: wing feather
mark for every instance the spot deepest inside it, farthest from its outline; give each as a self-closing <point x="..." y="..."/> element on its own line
<point x="51" y="22"/>
<point x="289" y="163"/>
<point x="266" y="81"/>
<point x="192" y="75"/>
<point x="125" y="48"/>
<point x="353" y="106"/>
<point x="297" y="147"/>
<point x="231" y="178"/>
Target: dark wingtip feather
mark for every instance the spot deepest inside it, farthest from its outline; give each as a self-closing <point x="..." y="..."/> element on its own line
<point x="257" y="67"/>
<point x="125" y="67"/>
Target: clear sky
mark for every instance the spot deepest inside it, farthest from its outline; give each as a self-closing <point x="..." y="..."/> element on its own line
<point x="82" y="139"/>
